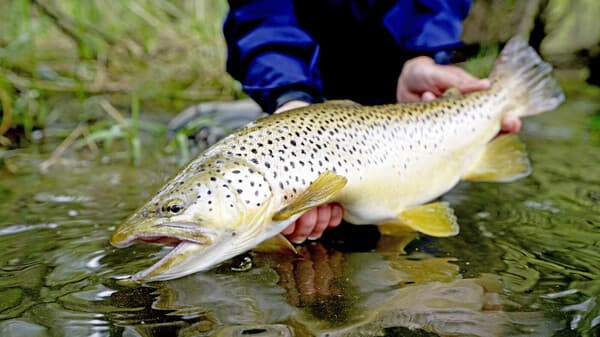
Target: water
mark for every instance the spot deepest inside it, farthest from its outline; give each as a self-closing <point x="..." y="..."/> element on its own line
<point x="526" y="263"/>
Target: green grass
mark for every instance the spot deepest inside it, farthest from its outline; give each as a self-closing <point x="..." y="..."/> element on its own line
<point x="109" y="67"/>
<point x="482" y="64"/>
<point x="61" y="60"/>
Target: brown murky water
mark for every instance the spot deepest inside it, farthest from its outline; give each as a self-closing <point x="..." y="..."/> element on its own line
<point x="526" y="263"/>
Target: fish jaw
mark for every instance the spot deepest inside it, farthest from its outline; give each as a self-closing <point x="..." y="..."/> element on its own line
<point x="190" y="257"/>
<point x="179" y="262"/>
<point x="128" y="234"/>
<point x="189" y="239"/>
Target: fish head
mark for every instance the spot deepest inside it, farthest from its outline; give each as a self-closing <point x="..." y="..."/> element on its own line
<point x="208" y="215"/>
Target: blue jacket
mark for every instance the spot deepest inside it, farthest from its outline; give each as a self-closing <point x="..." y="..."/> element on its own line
<point x="336" y="49"/>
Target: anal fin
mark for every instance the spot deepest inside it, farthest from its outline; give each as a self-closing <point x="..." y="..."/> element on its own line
<point x="434" y="219"/>
<point x="504" y="160"/>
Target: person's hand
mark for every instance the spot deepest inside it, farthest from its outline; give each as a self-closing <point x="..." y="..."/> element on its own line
<point x="291" y="105"/>
<point x="422" y="79"/>
<point x="313" y="223"/>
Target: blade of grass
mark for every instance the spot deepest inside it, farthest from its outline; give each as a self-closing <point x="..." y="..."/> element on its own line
<point x="183" y="144"/>
<point x="114" y="113"/>
<point x="133" y="134"/>
<point x="58" y="152"/>
<point x="6" y="112"/>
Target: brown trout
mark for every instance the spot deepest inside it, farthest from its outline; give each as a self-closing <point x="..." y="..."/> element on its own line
<point x="383" y="164"/>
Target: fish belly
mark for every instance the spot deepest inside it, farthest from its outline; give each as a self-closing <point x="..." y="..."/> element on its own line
<point x="380" y="193"/>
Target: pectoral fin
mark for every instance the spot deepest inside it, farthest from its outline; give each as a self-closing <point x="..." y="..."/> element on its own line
<point x="276" y="244"/>
<point x="435" y="219"/>
<point x="324" y="189"/>
<point x="504" y="160"/>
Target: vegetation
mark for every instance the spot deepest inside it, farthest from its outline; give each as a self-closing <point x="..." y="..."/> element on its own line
<point x="82" y="72"/>
<point x="87" y="64"/>
<point x="96" y="77"/>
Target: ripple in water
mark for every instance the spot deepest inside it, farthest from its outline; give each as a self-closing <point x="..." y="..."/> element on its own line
<point x="526" y="263"/>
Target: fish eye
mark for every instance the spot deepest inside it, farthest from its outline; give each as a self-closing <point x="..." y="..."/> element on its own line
<point x="173" y="207"/>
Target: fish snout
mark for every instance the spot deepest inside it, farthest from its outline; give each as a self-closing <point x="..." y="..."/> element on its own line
<point x="121" y="238"/>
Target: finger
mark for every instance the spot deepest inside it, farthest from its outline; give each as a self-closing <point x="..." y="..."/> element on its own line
<point x="428" y="96"/>
<point x="451" y="76"/>
<point x="289" y="230"/>
<point x="475" y="84"/>
<point x="337" y="212"/>
<point x="304" y="226"/>
<point x="323" y="218"/>
<point x="511" y="124"/>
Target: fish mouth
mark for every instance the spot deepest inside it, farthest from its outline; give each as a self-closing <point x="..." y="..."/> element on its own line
<point x="187" y="239"/>
<point x="171" y="234"/>
<point x="158" y="238"/>
<point x="173" y="265"/>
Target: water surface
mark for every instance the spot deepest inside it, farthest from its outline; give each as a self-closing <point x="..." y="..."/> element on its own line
<point x="526" y="263"/>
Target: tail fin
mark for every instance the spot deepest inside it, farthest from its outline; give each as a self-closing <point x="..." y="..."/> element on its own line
<point x="521" y="71"/>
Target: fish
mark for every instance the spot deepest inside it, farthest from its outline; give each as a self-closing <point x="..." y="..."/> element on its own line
<point x="385" y="165"/>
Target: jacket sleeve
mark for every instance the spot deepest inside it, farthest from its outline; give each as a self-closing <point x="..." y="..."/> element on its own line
<point x="431" y="27"/>
<point x="270" y="54"/>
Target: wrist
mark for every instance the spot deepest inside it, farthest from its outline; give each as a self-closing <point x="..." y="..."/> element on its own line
<point x="292" y="99"/>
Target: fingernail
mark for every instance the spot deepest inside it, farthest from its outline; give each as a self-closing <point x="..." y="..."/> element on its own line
<point x="485" y="82"/>
<point x="297" y="240"/>
<point x="313" y="238"/>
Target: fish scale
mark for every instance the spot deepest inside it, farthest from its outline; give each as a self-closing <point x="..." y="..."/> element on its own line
<point x="361" y="143"/>
<point x="383" y="164"/>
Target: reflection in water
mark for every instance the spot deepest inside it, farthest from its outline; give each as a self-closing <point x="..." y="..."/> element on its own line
<point x="323" y="292"/>
<point x="525" y="263"/>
